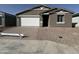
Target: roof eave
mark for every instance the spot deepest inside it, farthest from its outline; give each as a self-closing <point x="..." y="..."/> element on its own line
<point x="32" y="9"/>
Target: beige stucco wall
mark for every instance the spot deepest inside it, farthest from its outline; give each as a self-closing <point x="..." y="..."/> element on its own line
<point x="67" y="19"/>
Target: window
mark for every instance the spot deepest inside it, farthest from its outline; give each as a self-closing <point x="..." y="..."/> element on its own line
<point x="60" y="19"/>
<point x="0" y="20"/>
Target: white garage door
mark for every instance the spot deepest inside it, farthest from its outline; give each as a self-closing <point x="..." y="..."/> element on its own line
<point x="30" y="21"/>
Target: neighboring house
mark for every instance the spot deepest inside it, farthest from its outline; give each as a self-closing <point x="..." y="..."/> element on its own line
<point x="44" y="16"/>
<point x="7" y="20"/>
<point x="75" y="20"/>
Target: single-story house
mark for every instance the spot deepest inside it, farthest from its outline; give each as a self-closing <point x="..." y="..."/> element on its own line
<point x="75" y="19"/>
<point x="44" y="16"/>
<point x="7" y="20"/>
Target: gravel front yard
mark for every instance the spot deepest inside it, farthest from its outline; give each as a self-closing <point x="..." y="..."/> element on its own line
<point x="41" y="41"/>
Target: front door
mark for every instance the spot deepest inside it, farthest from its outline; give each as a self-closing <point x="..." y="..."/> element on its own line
<point x="45" y="20"/>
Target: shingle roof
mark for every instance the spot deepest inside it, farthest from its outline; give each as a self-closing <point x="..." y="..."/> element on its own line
<point x="75" y="15"/>
<point x="50" y="9"/>
<point x="7" y="13"/>
<point x="58" y="9"/>
<point x="33" y="8"/>
<point x="67" y="10"/>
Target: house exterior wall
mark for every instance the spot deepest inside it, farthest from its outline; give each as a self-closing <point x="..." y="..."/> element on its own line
<point x="52" y="21"/>
<point x="76" y="20"/>
<point x="67" y="19"/>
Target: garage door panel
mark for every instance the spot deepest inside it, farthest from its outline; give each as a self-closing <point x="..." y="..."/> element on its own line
<point x="30" y="21"/>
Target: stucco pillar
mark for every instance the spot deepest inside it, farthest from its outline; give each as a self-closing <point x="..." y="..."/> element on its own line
<point x="41" y="21"/>
<point x="3" y="20"/>
<point x="49" y="21"/>
<point x="18" y="21"/>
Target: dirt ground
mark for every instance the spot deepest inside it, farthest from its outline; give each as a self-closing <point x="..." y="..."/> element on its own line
<point x="41" y="41"/>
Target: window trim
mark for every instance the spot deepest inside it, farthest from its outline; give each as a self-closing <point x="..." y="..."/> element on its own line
<point x="63" y="20"/>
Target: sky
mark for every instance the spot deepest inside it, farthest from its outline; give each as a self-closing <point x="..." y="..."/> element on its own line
<point x="16" y="8"/>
